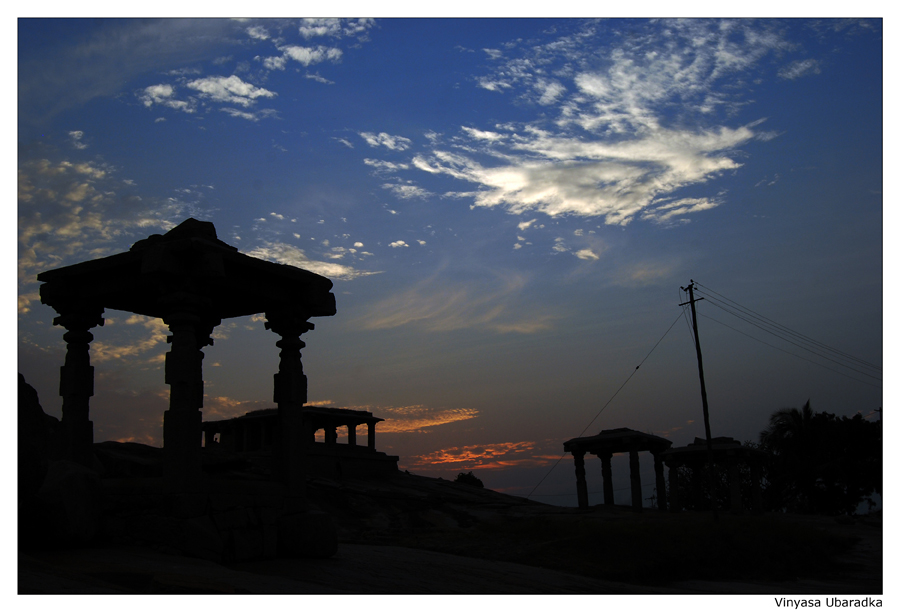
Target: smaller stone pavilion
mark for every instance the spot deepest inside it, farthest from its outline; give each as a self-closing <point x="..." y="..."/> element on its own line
<point x="726" y="451"/>
<point x="623" y="440"/>
<point x="257" y="431"/>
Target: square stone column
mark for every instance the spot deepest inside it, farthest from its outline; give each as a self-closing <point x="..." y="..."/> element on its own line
<point x="580" y="481"/>
<point x="290" y="395"/>
<point x="635" y="465"/>
<point x="371" y="439"/>
<point x="183" y="421"/>
<point x="660" y="482"/>
<point x="606" y="470"/>
<point x="76" y="384"/>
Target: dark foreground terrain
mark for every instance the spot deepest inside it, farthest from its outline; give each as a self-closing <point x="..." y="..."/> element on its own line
<point x="411" y="534"/>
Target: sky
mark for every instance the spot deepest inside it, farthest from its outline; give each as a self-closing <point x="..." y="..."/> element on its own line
<point x="509" y="210"/>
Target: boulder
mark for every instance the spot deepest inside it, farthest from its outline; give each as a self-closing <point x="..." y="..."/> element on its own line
<point x="35" y="439"/>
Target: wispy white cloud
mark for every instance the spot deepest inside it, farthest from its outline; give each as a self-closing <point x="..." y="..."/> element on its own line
<point x="407" y="192"/>
<point x="312" y="55"/>
<point x="73" y="211"/>
<point x="152" y="340"/>
<point x="252" y="116"/>
<point x="309" y="55"/>
<point x="617" y="147"/>
<point x="164" y="95"/>
<point x="438" y="304"/>
<point x="319" y="79"/>
<point x="395" y="143"/>
<point x="258" y="32"/>
<point x="482" y="134"/>
<point x="229" y="90"/>
<point x="310" y="28"/>
<point x="288" y="254"/>
<point x="684" y="206"/>
<point x="105" y="61"/>
<point x="800" y="68"/>
<point x="384" y="166"/>
<point x="76" y="136"/>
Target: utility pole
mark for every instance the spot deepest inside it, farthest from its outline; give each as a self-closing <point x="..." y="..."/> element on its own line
<point x="709" y="449"/>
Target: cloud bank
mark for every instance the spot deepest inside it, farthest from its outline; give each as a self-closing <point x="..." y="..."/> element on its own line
<point x="623" y="128"/>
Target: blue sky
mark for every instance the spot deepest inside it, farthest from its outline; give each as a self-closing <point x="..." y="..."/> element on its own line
<point x="508" y="209"/>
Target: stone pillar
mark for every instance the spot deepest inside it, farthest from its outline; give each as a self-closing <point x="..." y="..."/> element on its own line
<point x="183" y="421"/>
<point x="331" y="434"/>
<point x="674" y="502"/>
<point x="660" y="482"/>
<point x="371" y="427"/>
<point x="351" y="434"/>
<point x="76" y="385"/>
<point x="734" y="483"/>
<point x="580" y="480"/>
<point x="635" y="465"/>
<point x="606" y="468"/>
<point x="290" y="395"/>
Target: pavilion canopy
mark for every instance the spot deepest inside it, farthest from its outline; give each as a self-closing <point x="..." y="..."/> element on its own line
<point x="188" y="261"/>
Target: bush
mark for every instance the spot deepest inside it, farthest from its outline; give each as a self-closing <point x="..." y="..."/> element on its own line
<point x="470" y="479"/>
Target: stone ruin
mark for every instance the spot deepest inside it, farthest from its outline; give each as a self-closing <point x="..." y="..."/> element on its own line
<point x="726" y="451"/>
<point x="257" y="432"/>
<point x="192" y="281"/>
<point x="609" y="442"/>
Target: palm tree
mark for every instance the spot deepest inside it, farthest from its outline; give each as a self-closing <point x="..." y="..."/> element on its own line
<point x="791" y="439"/>
<point x="787" y="427"/>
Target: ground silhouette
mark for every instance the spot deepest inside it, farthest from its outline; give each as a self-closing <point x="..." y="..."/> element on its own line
<point x="412" y="534"/>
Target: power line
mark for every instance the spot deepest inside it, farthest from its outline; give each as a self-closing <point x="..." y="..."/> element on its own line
<point x="608" y="402"/>
<point x="790" y="341"/>
<point x="782" y="328"/>
<point x="761" y="323"/>
<point x="827" y="358"/>
<point x="790" y="353"/>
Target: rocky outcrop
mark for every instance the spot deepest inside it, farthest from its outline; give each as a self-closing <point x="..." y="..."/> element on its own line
<point x="58" y="500"/>
<point x="35" y="438"/>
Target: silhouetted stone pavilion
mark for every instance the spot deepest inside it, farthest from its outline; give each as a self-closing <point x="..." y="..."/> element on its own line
<point x="605" y="445"/>
<point x="192" y="281"/>
<point x="258" y="431"/>
<point x="726" y="451"/>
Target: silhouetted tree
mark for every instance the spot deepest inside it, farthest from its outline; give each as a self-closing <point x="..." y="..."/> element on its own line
<point x="469" y="479"/>
<point x="791" y="441"/>
<point x="820" y="463"/>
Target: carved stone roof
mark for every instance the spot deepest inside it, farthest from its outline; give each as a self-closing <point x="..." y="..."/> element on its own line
<point x="318" y="415"/>
<point x="187" y="265"/>
<point x="621" y="440"/>
<point x="721" y="446"/>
